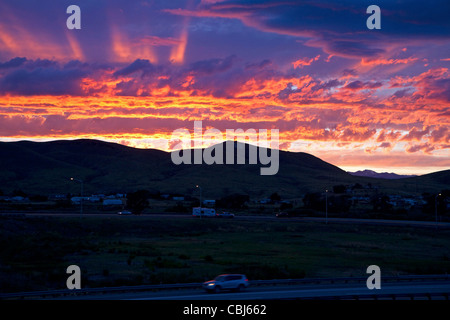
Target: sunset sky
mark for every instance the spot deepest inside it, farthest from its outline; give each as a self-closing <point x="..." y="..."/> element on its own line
<point x="138" y="70"/>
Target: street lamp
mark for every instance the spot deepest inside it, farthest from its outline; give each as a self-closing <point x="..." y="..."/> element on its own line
<point x="81" y="197"/>
<point x="326" y="206"/>
<point x="435" y="207"/>
<point x="201" y="213"/>
<point x="197" y="186"/>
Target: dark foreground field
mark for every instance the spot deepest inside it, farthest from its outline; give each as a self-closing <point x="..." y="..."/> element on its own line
<point x="134" y="250"/>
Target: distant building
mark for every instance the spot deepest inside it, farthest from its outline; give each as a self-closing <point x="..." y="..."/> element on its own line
<point x="57" y="197"/>
<point x="77" y="200"/>
<point x="94" y="199"/>
<point x="112" y="202"/>
<point x="13" y="199"/>
<point x="19" y="199"/>
<point x="209" y="202"/>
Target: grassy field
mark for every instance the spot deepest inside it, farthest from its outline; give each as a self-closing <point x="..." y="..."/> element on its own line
<point x="115" y="250"/>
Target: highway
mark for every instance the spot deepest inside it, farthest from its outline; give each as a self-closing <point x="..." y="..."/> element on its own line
<point x="288" y="292"/>
<point x="406" y="223"/>
<point x="310" y="293"/>
<point x="272" y="292"/>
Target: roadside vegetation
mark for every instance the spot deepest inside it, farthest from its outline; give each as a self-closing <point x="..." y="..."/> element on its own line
<point x="135" y="250"/>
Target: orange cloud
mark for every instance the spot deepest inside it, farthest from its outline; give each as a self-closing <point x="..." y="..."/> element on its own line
<point x="77" y="51"/>
<point x="177" y="53"/>
<point x="336" y="112"/>
<point x="124" y="50"/>
<point x="20" y="42"/>
<point x="300" y="63"/>
<point x="383" y="61"/>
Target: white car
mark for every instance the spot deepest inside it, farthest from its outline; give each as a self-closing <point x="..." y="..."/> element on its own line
<point x="123" y="213"/>
<point x="236" y="282"/>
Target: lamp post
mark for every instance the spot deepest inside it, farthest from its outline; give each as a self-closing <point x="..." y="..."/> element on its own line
<point x="326" y="206"/>
<point x="435" y="207"/>
<point x="201" y="214"/>
<point x="197" y="186"/>
<point x="81" y="197"/>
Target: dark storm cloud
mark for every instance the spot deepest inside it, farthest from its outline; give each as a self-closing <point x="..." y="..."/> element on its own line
<point x="51" y="80"/>
<point x="138" y="65"/>
<point x="260" y="65"/>
<point x="349" y="73"/>
<point x="359" y="85"/>
<point x="401" y="93"/>
<point x="328" y="85"/>
<point x="349" y="48"/>
<point x="212" y="66"/>
<point x="219" y="77"/>
<point x="338" y="27"/>
<point x="13" y="63"/>
<point x="26" y="63"/>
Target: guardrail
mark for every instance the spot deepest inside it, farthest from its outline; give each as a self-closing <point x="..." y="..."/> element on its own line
<point x="384" y="296"/>
<point x="103" y="290"/>
<point x="198" y="285"/>
<point x="403" y="278"/>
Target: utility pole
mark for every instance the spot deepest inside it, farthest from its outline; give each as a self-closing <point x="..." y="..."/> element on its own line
<point x="201" y="214"/>
<point x="435" y="208"/>
<point x="81" y="197"/>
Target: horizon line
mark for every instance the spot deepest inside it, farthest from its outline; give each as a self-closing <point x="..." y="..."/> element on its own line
<point x="346" y="168"/>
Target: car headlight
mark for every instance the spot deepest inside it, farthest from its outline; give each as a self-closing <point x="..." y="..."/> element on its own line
<point x="210" y="284"/>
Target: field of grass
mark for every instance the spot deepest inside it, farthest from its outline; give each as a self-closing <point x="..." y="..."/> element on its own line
<point x="134" y="250"/>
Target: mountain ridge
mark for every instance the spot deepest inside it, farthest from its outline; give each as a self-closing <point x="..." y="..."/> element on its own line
<point x="46" y="167"/>
<point x="380" y="175"/>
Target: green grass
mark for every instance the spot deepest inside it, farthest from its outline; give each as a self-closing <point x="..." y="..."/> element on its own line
<point x="115" y="250"/>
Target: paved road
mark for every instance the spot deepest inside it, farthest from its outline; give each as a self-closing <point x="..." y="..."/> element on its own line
<point x="281" y="292"/>
<point x="428" y="224"/>
<point x="308" y="293"/>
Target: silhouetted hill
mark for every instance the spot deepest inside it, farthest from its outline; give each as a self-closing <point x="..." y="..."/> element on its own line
<point x="46" y="168"/>
<point x="379" y="175"/>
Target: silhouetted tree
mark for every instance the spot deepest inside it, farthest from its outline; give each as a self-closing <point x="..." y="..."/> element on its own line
<point x="19" y="193"/>
<point x="337" y="204"/>
<point x="234" y="201"/>
<point x="314" y="201"/>
<point x="138" y="201"/>
<point x="381" y="203"/>
<point x="357" y="186"/>
<point x="430" y="202"/>
<point x="38" y="198"/>
<point x="339" y="188"/>
<point x="285" y="206"/>
<point x="274" y="197"/>
<point x="442" y="204"/>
